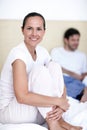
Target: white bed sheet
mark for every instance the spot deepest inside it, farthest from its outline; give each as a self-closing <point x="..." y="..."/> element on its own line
<point x="21" y="127"/>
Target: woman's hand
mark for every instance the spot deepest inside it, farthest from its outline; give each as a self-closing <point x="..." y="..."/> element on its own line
<point x="63" y="104"/>
<point x="55" y="114"/>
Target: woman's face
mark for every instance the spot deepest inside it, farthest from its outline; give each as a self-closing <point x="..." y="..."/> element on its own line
<point x="33" y="31"/>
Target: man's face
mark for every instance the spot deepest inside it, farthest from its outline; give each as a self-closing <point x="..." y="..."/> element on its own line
<point x="72" y="42"/>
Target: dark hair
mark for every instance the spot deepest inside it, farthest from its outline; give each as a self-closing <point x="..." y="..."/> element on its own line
<point x="70" y="32"/>
<point x="33" y="14"/>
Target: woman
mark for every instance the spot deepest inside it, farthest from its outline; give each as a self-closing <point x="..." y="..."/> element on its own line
<point x="28" y="79"/>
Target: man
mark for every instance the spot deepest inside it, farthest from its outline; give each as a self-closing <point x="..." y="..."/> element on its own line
<point x="74" y="65"/>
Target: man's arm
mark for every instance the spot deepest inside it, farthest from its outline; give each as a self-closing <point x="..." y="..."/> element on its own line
<point x="75" y="75"/>
<point x="84" y="74"/>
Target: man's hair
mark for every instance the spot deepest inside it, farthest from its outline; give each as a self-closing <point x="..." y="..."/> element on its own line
<point x="70" y="32"/>
<point x="33" y="14"/>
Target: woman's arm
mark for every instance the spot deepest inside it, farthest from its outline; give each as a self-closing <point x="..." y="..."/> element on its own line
<point x="64" y="93"/>
<point x="56" y="112"/>
<point x="20" y="83"/>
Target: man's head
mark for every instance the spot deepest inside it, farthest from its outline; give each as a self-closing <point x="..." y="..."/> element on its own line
<point x="71" y="39"/>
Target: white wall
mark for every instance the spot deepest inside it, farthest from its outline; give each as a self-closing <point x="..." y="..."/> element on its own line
<point x="50" y="9"/>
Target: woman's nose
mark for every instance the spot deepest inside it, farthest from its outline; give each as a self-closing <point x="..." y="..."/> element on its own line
<point x="34" y="32"/>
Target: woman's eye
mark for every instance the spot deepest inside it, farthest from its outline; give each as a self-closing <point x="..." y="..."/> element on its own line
<point x="39" y="29"/>
<point x="29" y="28"/>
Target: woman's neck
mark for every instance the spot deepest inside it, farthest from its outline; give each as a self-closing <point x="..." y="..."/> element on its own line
<point x="32" y="51"/>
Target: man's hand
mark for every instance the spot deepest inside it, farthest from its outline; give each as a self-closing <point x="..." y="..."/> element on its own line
<point x="84" y="97"/>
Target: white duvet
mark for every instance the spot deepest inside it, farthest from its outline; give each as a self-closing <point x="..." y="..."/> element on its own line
<point x="77" y="113"/>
